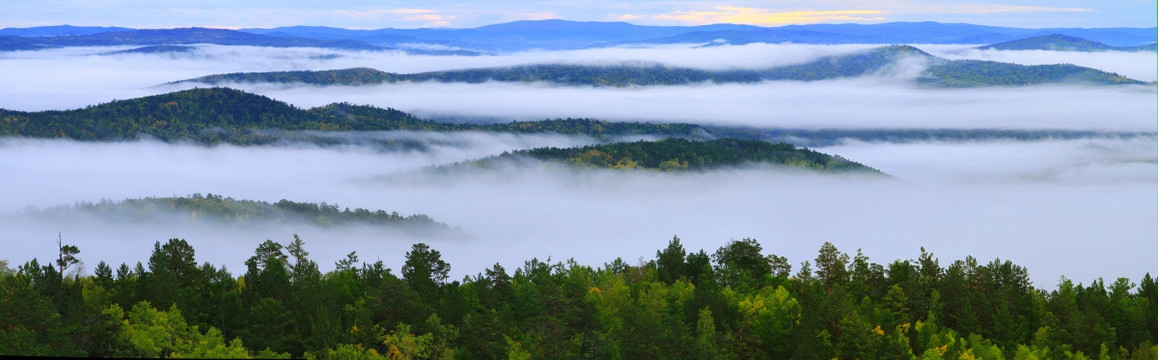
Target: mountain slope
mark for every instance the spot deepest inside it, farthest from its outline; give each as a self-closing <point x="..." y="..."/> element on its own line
<point x="939" y="72"/>
<point x="857" y="64"/>
<point x="17" y="43"/>
<point x="242" y="212"/>
<point x="156" y="49"/>
<point x="1053" y="42"/>
<point x="975" y="73"/>
<point x="221" y="115"/>
<point x="205" y="114"/>
<point x="675" y="154"/>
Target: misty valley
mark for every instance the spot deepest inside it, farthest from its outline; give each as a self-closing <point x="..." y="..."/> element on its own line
<point x="609" y="191"/>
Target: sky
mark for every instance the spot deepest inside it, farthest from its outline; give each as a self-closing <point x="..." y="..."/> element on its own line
<point x="366" y="14"/>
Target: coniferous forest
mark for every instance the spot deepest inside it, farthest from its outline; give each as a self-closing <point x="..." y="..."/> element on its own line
<point x="729" y="303"/>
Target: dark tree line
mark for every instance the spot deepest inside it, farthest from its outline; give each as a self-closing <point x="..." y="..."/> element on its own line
<point x="738" y="302"/>
<point x="941" y="73"/>
<point x="681" y="154"/>
<point x="221" y="115"/>
<point x="972" y="73"/>
<point x="230" y="210"/>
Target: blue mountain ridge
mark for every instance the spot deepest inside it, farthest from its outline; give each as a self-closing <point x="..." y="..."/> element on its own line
<point x="562" y="34"/>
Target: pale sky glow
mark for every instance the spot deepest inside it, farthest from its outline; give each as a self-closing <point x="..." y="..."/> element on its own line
<point x="366" y="14"/>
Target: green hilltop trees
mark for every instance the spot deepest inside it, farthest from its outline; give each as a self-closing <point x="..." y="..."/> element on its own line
<point x="739" y="302"/>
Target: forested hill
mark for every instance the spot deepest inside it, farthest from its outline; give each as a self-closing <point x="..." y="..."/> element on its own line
<point x="222" y="115"/>
<point x="205" y="115"/>
<point x="1058" y="42"/>
<point x="851" y="65"/>
<point x="375" y="118"/>
<point x="675" y="154"/>
<point x="243" y="212"/>
<point x="975" y="73"/>
<point x="939" y="73"/>
<point x="156" y="49"/>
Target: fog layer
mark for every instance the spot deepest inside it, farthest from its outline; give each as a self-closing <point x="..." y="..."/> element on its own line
<point x="77" y="77"/>
<point x="954" y="199"/>
<point x="860" y="103"/>
<point x="1083" y="208"/>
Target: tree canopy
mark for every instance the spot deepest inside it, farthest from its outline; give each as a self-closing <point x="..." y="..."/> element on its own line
<point x="676" y="306"/>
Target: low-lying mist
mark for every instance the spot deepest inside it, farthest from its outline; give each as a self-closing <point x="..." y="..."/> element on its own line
<point x="67" y="78"/>
<point x="54" y="172"/>
<point x="1083" y="208"/>
<point x="61" y="79"/>
<point x="856" y="103"/>
<point x="955" y="199"/>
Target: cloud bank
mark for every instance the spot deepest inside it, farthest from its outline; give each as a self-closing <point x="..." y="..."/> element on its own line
<point x="859" y="103"/>
<point x="1054" y="204"/>
<point x="73" y="78"/>
<point x="1043" y="204"/>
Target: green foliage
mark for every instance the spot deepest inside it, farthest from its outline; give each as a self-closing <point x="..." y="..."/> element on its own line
<point x="424" y="270"/>
<point x="973" y="73"/>
<point x="847" y="308"/>
<point x="740" y="264"/>
<point x="1052" y="42"/>
<point x="220" y="115"/>
<point x="239" y="212"/>
<point x="153" y="333"/>
<point x="856" y="64"/>
<point x="680" y="154"/>
<point x="354" y="76"/>
<point x="29" y="322"/>
<point x="212" y="345"/>
<point x="617" y="76"/>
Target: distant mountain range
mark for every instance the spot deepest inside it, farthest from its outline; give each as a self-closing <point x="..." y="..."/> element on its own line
<point x="181" y="36"/>
<point x="15" y="39"/>
<point x="939" y="73"/>
<point x="557" y="35"/>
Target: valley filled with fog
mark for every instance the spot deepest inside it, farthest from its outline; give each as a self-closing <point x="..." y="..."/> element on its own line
<point x="1052" y="205"/>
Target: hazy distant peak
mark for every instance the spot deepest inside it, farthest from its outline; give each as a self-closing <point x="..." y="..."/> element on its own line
<point x="1055" y="42"/>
